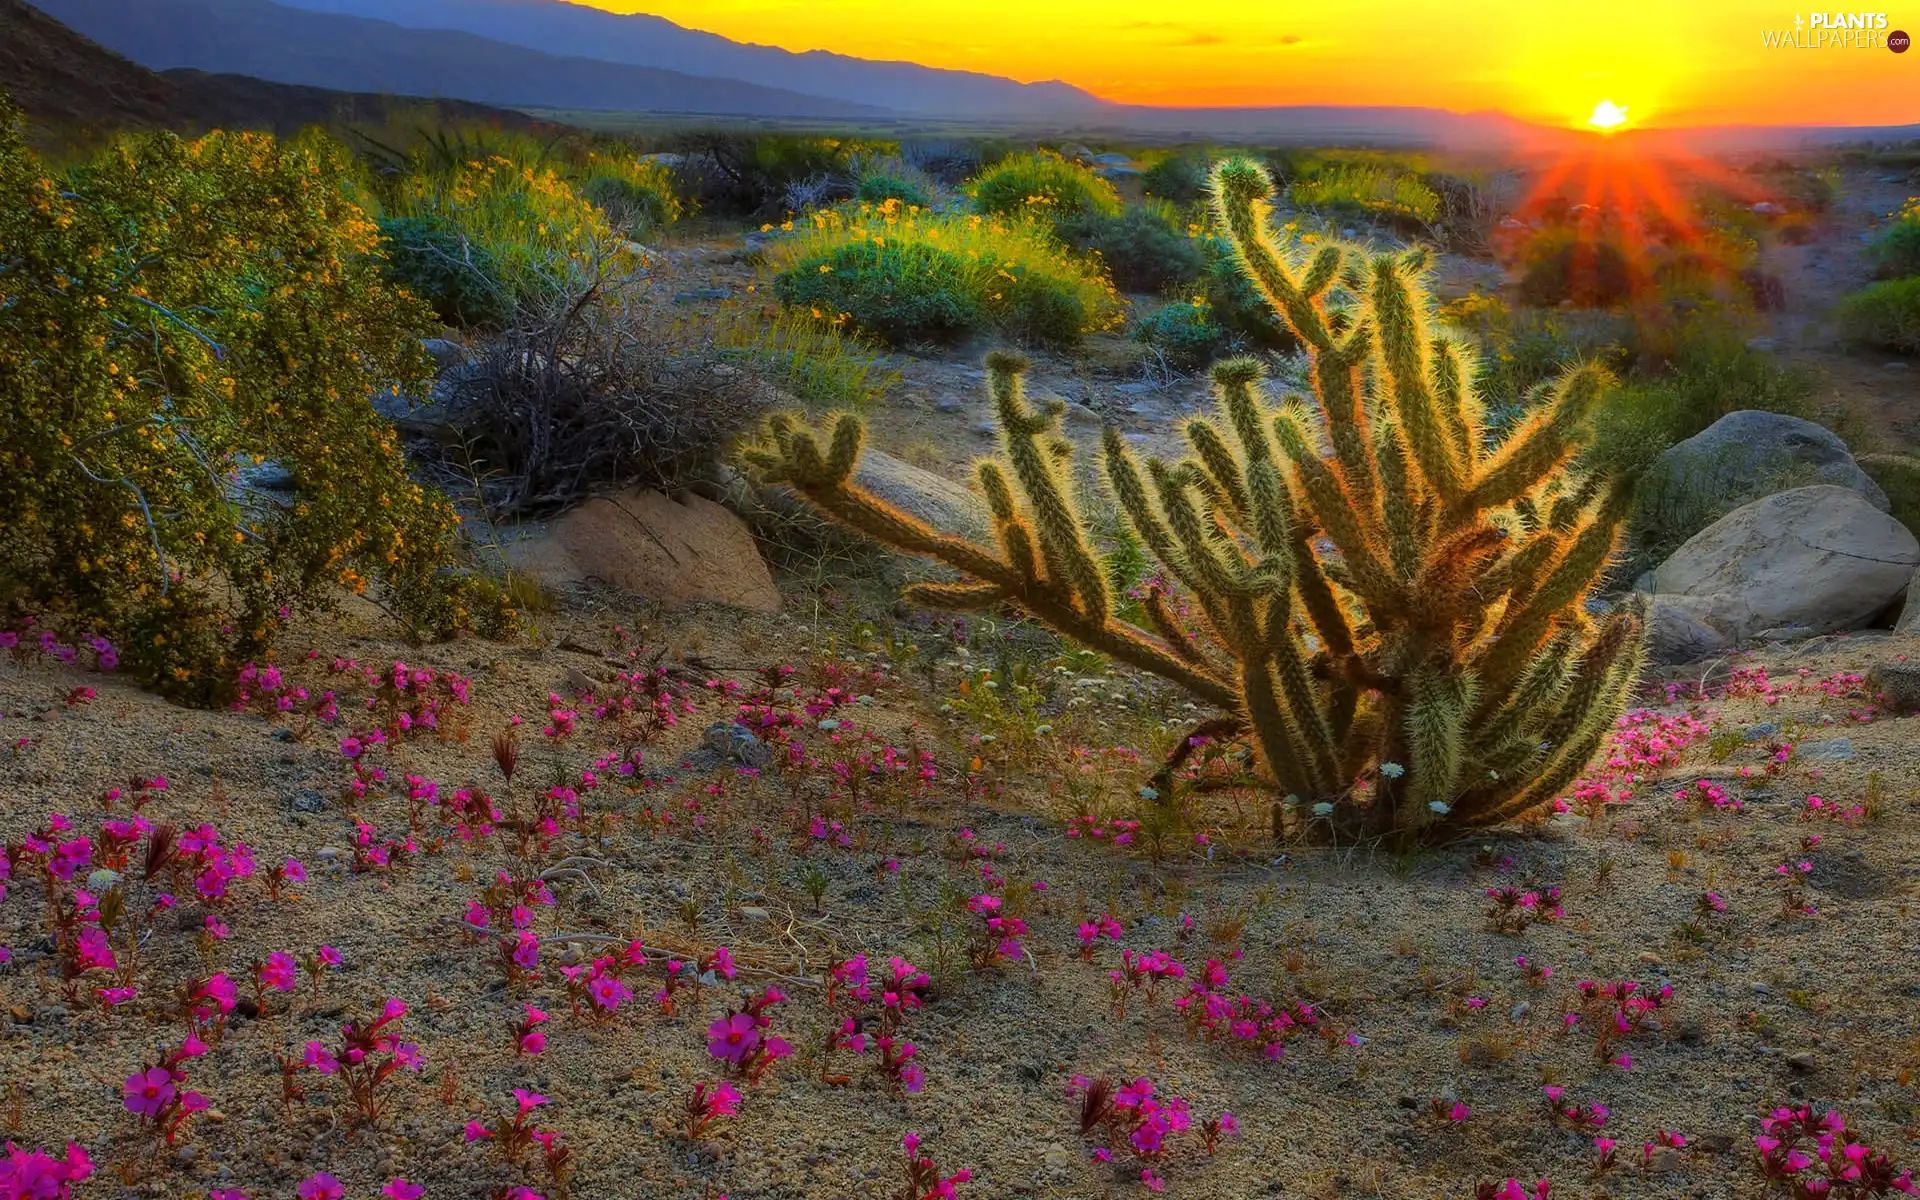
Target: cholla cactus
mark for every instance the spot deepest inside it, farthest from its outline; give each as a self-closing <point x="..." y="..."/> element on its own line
<point x="1391" y="612"/>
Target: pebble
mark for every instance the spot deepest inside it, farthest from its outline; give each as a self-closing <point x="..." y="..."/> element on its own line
<point x="753" y="912"/>
<point x="1831" y="750"/>
<point x="1803" y="1061"/>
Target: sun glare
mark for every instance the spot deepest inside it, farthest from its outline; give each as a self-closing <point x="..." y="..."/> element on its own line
<point x="1608" y="116"/>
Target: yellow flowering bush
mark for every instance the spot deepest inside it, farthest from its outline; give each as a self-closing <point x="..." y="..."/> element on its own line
<point x="173" y="314"/>
<point x="1044" y="186"/>
<point x="535" y="232"/>
<point x="902" y="273"/>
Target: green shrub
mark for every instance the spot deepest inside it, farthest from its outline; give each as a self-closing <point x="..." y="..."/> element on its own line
<point x="1897" y="253"/>
<point x="749" y="174"/>
<point x="900" y="291"/>
<point x="878" y="189"/>
<point x="538" y="231"/>
<point x="1142" y="249"/>
<point x="173" y="312"/>
<point x="1044" y="185"/>
<point x="1233" y="303"/>
<point x="1565" y="264"/>
<point x="636" y="197"/>
<point x="1178" y="179"/>
<point x="904" y="275"/>
<point x="1370" y="190"/>
<point x="823" y="365"/>
<point x="434" y="261"/>
<point x="1899" y="477"/>
<point x="1713" y="374"/>
<point x="1884" y="315"/>
<point x="1523" y="349"/>
<point x="1185" y="332"/>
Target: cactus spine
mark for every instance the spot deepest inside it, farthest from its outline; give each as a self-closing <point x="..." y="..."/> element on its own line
<point x="1407" y="610"/>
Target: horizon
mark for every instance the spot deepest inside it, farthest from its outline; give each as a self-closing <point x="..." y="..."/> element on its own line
<point x="1708" y="65"/>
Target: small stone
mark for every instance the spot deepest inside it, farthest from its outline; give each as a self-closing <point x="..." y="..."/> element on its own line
<point x="983" y="429"/>
<point x="1650" y="958"/>
<point x="1830" y="750"/>
<point x="327" y="853"/>
<point x="1762" y="989"/>
<point x="1080" y="414"/>
<point x="1663" y="1158"/>
<point x="949" y="404"/>
<point x="1521" y="1010"/>
<point x="1715" y="1143"/>
<point x="1803" y="1061"/>
<point x="753" y="912"/>
<point x="307" y="800"/>
<point x="1760" y="732"/>
<point x="1897" y="366"/>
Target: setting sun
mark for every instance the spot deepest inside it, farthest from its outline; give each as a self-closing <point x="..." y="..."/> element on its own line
<point x="1608" y="116"/>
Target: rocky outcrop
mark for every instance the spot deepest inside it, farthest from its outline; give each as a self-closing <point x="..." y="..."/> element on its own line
<point x="675" y="552"/>
<point x="1818" y="559"/>
<point x="1749" y="454"/>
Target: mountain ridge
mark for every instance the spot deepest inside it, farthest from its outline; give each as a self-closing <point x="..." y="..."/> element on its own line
<point x="564" y="27"/>
<point x="297" y="46"/>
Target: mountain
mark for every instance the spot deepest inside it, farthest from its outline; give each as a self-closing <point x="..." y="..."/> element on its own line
<point x="560" y="27"/>
<point x="290" y="45"/>
<point x="67" y="84"/>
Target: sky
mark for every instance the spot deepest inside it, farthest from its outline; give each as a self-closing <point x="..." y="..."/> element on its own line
<point x="1667" y="62"/>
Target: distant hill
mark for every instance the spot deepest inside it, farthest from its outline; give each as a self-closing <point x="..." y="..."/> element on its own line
<point x="67" y="84"/>
<point x="358" y="54"/>
<point x="560" y="27"/>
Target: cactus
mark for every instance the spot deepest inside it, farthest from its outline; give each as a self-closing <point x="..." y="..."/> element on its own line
<point x="1390" y="611"/>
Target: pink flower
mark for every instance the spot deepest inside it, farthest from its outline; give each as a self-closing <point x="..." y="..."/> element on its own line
<point x="528" y="1101"/>
<point x="400" y="1189"/>
<point x="147" y="1092"/>
<point x="733" y="1038"/>
<point x="321" y="1186"/>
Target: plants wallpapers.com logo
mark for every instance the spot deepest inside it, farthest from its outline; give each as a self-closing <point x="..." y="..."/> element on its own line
<point x="1838" y="31"/>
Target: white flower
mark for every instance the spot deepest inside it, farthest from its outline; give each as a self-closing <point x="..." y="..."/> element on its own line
<point x="1392" y="770"/>
<point x="1323" y="809"/>
<point x="1147" y="793"/>
<point x="1440" y="806"/>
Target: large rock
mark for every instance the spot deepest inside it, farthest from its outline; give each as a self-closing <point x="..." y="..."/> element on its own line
<point x="1683" y="629"/>
<point x="935" y="499"/>
<point x="1896" y="685"/>
<point x="1821" y="557"/>
<point x="1749" y="454"/>
<point x="642" y="542"/>
<point x="1909" y="621"/>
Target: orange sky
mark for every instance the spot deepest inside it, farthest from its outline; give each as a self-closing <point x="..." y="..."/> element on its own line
<point x="1668" y="61"/>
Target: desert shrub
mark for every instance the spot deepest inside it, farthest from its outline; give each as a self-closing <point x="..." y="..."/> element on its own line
<point x="878" y="189"/>
<point x="1521" y="350"/>
<point x="1234" y="304"/>
<point x="1183" y="331"/>
<point x="823" y="364"/>
<point x="1713" y="374"/>
<point x="636" y="195"/>
<point x="1400" y="665"/>
<point x="1897" y="252"/>
<point x="1899" y="477"/>
<point x="1145" y="248"/>
<point x="1177" y="179"/>
<point x="588" y="393"/>
<point x="904" y="275"/>
<point x="1044" y="186"/>
<point x="1565" y="264"/>
<point x="170" y="313"/>
<point x="755" y="174"/>
<point x="1368" y="190"/>
<point x="537" y="230"/>
<point x="1884" y="315"/>
<point x="459" y="278"/>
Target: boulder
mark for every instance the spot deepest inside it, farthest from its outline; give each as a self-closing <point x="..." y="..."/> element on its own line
<point x="1822" y="557"/>
<point x="1683" y="629"/>
<point x="1896" y="685"/>
<point x="1749" y="454"/>
<point x="640" y="541"/>
<point x="940" y="502"/>
<point x="447" y="353"/>
<point x="1909" y="621"/>
<point x="1111" y="160"/>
